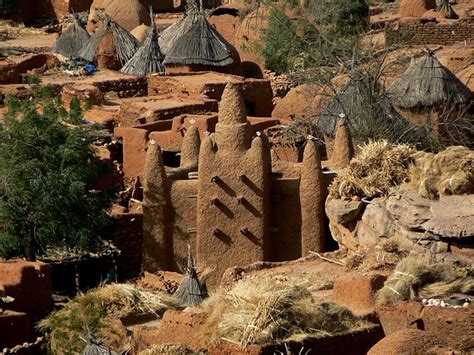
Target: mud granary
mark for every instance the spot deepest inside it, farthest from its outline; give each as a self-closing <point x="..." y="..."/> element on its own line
<point x="228" y="202"/>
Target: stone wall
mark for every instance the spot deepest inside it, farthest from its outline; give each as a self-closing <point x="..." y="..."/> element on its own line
<point x="124" y="87"/>
<point x="422" y="31"/>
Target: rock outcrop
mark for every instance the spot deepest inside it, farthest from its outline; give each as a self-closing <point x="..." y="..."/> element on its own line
<point x="436" y="225"/>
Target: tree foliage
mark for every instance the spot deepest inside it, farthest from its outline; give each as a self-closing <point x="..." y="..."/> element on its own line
<point x="47" y="176"/>
<point x="319" y="33"/>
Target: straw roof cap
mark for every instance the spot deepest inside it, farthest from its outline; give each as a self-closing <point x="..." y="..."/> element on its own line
<point x="426" y="83"/>
<point x="195" y="41"/>
<point x="72" y="40"/>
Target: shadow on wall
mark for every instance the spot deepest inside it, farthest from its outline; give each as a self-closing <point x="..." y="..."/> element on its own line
<point x="30" y="11"/>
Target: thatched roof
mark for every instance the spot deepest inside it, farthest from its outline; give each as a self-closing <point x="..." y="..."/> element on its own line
<point x="148" y="59"/>
<point x="199" y="43"/>
<point x="426" y="83"/>
<point x="169" y="35"/>
<point x="98" y="349"/>
<point x="72" y="40"/>
<point x="90" y="50"/>
<point x="190" y="291"/>
<point x="446" y="10"/>
<point x="361" y="102"/>
<point x="127" y="45"/>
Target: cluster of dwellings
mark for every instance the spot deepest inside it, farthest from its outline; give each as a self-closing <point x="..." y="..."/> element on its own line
<point x="194" y="148"/>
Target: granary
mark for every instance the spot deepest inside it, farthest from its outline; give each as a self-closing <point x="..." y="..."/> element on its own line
<point x="110" y="39"/>
<point x="148" y="59"/>
<point x="72" y="40"/>
<point x="446" y="10"/>
<point x="192" y="44"/>
<point x="127" y="13"/>
<point x="226" y="200"/>
<point x="355" y="103"/>
<point x="427" y="89"/>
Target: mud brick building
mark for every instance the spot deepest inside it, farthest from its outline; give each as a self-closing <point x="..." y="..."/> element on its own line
<point x="28" y="11"/>
<point x="226" y="200"/>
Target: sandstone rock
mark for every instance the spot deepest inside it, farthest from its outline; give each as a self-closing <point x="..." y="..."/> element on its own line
<point x="409" y="209"/>
<point x="452" y="216"/>
<point x="406" y="341"/>
<point x="376" y="223"/>
<point x="344" y="236"/>
<point x="342" y="211"/>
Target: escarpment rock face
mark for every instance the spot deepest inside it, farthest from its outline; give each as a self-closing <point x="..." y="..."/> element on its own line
<point x="437" y="225"/>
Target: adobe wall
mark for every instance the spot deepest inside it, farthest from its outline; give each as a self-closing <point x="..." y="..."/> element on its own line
<point x="168" y="134"/>
<point x="420" y="32"/>
<point x="134" y="143"/>
<point x="127" y="236"/>
<point x="60" y="8"/>
<point x="25" y="281"/>
<point x="184" y="205"/>
<point x="285" y="224"/>
<point x="155" y="109"/>
<point x="258" y="95"/>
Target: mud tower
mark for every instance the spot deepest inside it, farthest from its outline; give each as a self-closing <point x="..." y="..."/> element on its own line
<point x="234" y="190"/>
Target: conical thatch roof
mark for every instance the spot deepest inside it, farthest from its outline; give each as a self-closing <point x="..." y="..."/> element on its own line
<point x="96" y="348"/>
<point x="190" y="291"/>
<point x="426" y="83"/>
<point x="127" y="45"/>
<point x="446" y="10"/>
<point x="148" y="59"/>
<point x="199" y="44"/>
<point x="357" y="103"/>
<point x="90" y="50"/>
<point x="72" y="40"/>
<point x="169" y="36"/>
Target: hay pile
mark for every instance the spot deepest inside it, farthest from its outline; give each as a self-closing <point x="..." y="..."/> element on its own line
<point x="264" y="312"/>
<point x="450" y="172"/>
<point x="374" y="171"/>
<point x="414" y="278"/>
<point x="98" y="312"/>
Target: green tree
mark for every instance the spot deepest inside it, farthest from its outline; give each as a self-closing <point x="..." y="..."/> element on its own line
<point x="318" y="34"/>
<point x="47" y="177"/>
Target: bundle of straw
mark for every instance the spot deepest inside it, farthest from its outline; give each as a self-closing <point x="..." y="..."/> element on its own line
<point x="374" y="171"/>
<point x="264" y="312"/>
<point x="414" y="277"/>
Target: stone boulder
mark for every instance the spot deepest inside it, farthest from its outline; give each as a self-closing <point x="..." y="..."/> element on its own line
<point x="436" y="226"/>
<point x="452" y="216"/>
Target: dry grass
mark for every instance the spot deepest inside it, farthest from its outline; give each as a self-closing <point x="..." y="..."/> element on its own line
<point x="384" y="256"/>
<point x="98" y="312"/>
<point x="450" y="172"/>
<point x="377" y="168"/>
<point x="414" y="277"/>
<point x="263" y="312"/>
<point x="169" y="349"/>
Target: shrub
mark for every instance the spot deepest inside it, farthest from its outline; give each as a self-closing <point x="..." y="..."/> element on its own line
<point x="47" y="177"/>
